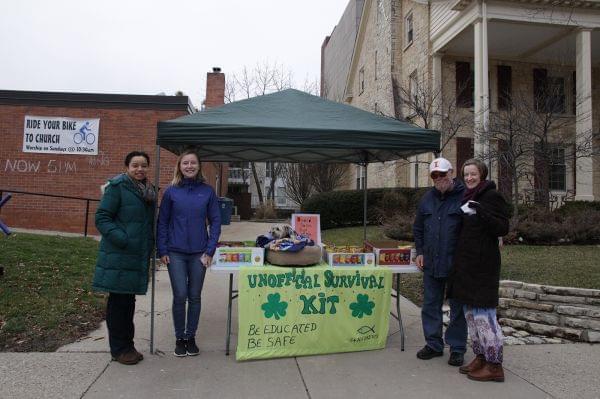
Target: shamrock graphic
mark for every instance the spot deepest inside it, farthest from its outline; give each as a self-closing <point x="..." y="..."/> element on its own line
<point x="274" y="306"/>
<point x="362" y="306"/>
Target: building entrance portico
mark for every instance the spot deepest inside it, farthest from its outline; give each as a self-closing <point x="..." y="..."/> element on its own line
<point x="522" y="47"/>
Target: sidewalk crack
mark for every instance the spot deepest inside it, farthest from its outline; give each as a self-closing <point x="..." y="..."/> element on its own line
<point x="302" y="378"/>
<point x="93" y="382"/>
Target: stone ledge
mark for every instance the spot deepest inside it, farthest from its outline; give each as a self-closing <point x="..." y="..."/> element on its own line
<point x="543" y="329"/>
<point x="507" y="302"/>
<point x="578" y="311"/>
<point x="528" y="315"/>
<point x="563" y="312"/>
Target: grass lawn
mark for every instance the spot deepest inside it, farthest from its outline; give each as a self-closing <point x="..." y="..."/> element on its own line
<point x="568" y="266"/>
<point x="45" y="293"/>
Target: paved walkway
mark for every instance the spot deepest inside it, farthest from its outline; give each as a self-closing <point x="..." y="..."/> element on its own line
<point x="84" y="370"/>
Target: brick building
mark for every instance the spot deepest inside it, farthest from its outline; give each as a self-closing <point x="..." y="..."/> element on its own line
<point x="126" y="123"/>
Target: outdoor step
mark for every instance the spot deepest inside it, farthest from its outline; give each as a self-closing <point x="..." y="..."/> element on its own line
<point x="235" y="218"/>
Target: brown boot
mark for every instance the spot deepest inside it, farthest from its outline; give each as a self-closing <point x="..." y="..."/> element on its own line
<point x="475" y="364"/>
<point x="139" y="355"/>
<point x="129" y="358"/>
<point x="489" y="372"/>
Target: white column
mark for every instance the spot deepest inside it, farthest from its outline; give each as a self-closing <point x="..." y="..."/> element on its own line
<point x="584" y="184"/>
<point x="482" y="95"/>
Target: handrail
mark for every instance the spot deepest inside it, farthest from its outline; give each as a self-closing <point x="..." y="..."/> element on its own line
<point x="87" y="202"/>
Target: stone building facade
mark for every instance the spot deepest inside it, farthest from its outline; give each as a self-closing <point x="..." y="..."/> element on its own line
<point x="462" y="58"/>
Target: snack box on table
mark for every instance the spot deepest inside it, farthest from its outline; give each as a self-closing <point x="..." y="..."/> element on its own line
<point x="239" y="256"/>
<point x="391" y="253"/>
<point x="348" y="256"/>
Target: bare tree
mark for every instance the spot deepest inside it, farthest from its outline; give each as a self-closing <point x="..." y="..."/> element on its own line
<point x="263" y="79"/>
<point x="327" y="177"/>
<point x="424" y="105"/>
<point x="274" y="171"/>
<point x="533" y="136"/>
<point x="298" y="184"/>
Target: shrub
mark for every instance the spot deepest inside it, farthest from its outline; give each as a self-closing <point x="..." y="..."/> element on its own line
<point x="537" y="226"/>
<point x="399" y="227"/>
<point x="574" y="207"/>
<point x="345" y="208"/>
<point x="265" y="211"/>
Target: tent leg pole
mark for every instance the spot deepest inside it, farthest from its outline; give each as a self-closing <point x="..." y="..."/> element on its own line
<point x="153" y="252"/>
<point x="365" y="203"/>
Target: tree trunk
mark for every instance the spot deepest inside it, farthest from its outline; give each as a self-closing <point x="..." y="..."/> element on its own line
<point x="257" y="182"/>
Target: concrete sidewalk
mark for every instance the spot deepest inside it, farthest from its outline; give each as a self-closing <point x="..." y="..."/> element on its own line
<point x="84" y="370"/>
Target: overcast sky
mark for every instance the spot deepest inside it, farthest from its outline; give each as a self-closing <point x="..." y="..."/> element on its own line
<point x="148" y="47"/>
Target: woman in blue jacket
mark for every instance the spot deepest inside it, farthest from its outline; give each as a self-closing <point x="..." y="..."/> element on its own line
<point x="185" y="245"/>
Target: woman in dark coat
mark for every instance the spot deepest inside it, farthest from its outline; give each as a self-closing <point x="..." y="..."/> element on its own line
<point x="125" y="219"/>
<point x="476" y="275"/>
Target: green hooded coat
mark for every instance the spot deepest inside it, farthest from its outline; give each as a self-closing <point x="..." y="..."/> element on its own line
<point x="125" y="221"/>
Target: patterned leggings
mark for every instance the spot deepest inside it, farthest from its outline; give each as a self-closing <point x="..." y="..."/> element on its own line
<point x="485" y="332"/>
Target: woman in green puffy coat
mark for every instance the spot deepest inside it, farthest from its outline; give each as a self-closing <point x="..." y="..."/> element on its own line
<point x="125" y="219"/>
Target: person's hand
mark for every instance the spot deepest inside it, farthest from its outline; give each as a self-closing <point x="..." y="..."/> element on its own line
<point x="206" y="260"/>
<point x="419" y="262"/>
<point x="165" y="260"/>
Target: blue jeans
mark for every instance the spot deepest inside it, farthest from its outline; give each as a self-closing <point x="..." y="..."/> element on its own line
<point x="186" y="272"/>
<point x="432" y="317"/>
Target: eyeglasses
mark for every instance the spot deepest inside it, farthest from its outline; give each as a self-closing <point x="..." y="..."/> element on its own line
<point x="436" y="175"/>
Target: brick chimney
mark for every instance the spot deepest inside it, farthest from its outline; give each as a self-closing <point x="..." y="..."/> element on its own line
<point x="215" y="88"/>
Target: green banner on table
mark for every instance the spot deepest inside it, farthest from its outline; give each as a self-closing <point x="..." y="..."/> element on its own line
<point x="305" y="311"/>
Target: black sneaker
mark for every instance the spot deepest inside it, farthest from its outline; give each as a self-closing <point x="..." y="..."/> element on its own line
<point x="180" y="348"/>
<point x="456" y="359"/>
<point x="191" y="348"/>
<point x="427" y="353"/>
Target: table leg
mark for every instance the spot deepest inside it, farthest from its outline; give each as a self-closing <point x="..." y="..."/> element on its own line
<point x="229" y="314"/>
<point x="398" y="311"/>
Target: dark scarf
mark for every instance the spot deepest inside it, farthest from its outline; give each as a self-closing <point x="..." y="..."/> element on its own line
<point x="144" y="188"/>
<point x="470" y="193"/>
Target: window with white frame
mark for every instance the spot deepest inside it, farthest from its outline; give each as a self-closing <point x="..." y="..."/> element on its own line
<point x="558" y="169"/>
<point x="269" y="166"/>
<point x="408" y="29"/>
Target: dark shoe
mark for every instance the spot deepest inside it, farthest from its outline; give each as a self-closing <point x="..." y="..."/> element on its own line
<point x="456" y="359"/>
<point x="180" y="348"/>
<point x="191" y="348"/>
<point x="129" y="358"/>
<point x="139" y="355"/>
<point x="489" y="372"/>
<point x="475" y="364"/>
<point x="427" y="353"/>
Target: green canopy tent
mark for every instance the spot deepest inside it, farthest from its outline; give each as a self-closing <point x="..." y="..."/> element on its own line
<point x="292" y="126"/>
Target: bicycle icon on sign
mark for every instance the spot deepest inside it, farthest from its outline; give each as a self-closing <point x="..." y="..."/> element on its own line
<point x="85" y="133"/>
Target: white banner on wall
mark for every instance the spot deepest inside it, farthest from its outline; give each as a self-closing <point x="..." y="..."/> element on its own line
<point x="58" y="135"/>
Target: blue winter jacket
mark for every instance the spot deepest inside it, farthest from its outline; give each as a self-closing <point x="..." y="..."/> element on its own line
<point x="184" y="211"/>
<point x="436" y="229"/>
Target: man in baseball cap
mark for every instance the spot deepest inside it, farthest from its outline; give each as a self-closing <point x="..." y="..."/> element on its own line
<point x="439" y="210"/>
<point x="440" y="171"/>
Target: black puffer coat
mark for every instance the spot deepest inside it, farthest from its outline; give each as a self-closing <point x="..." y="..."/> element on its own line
<point x="476" y="274"/>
